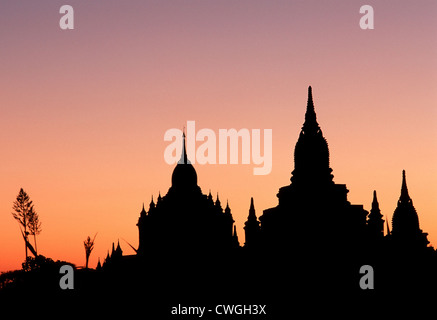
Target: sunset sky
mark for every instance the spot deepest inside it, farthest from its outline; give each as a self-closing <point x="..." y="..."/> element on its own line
<point x="83" y="112"/>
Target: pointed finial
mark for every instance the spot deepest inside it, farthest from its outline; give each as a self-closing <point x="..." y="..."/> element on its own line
<point x="118" y="249"/>
<point x="310" y="125"/>
<point x="152" y="205"/>
<point x="375" y="203"/>
<point x="183" y="159"/>
<point x="310" y="96"/>
<point x="404" y="190"/>
<point x="217" y="201"/>
<point x="252" y="214"/>
<point x="227" y="209"/>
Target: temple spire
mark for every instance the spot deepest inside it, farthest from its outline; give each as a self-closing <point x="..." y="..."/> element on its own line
<point x="152" y="206"/>
<point x="118" y="249"/>
<point x="184" y="175"/>
<point x="310" y="125"/>
<point x="252" y="215"/>
<point x="310" y="103"/>
<point x="143" y="211"/>
<point x="183" y="159"/>
<point x="218" y="203"/>
<point x="405" y="197"/>
<point x="405" y="221"/>
<point x="375" y="222"/>
<point x="227" y="209"/>
<point x="311" y="153"/>
<point x="252" y="228"/>
<point x="375" y="204"/>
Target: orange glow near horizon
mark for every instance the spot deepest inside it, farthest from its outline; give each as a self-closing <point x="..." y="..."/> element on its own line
<point x="84" y="112"/>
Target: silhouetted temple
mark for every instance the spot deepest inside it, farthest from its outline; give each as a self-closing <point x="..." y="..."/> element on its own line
<point x="313" y="209"/>
<point x="185" y="219"/>
<point x="305" y="253"/>
<point x="406" y="234"/>
<point x="313" y="231"/>
<point x="375" y="223"/>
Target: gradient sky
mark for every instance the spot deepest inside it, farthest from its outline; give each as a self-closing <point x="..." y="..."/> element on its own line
<point x="83" y="112"/>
